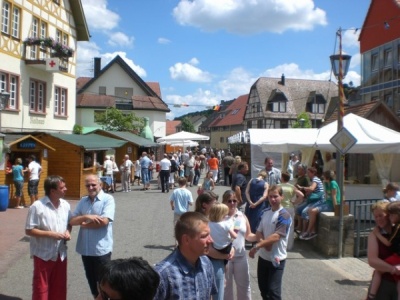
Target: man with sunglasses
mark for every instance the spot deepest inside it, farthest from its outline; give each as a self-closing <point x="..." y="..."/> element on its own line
<point x="95" y="215"/>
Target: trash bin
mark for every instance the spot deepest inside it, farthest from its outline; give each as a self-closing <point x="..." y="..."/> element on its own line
<point x="3" y="197"/>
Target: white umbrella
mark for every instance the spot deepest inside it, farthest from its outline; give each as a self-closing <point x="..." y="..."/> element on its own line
<point x="182" y="136"/>
<point x="184" y="143"/>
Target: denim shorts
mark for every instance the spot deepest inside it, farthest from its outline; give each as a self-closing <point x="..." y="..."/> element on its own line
<point x="33" y="187"/>
<point x="306" y="207"/>
<point x="18" y="188"/>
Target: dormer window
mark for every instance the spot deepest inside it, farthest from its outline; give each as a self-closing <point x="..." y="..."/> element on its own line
<point x="277" y="102"/>
<point x="316" y="103"/>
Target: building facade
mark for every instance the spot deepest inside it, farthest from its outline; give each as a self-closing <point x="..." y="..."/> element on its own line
<point x="117" y="85"/>
<point x="38" y="42"/>
<point x="380" y="54"/>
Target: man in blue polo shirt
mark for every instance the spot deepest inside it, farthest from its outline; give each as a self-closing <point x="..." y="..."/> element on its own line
<point x="145" y="163"/>
<point x="188" y="266"/>
<point x="95" y="215"/>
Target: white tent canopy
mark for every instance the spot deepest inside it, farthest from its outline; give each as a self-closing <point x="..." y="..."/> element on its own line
<point x="182" y="136"/>
<point x="371" y="137"/>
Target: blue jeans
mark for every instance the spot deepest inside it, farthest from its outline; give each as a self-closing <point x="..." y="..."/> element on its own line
<point x="145" y="176"/>
<point x="219" y="272"/>
<point x="196" y="177"/>
<point x="270" y="279"/>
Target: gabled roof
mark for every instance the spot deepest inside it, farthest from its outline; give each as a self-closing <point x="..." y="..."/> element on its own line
<point x="365" y="111"/>
<point x="155" y="86"/>
<point x="234" y="113"/>
<point x="171" y="126"/>
<point x="151" y="101"/>
<point x="81" y="81"/>
<point x="297" y="92"/>
<point x="90" y="141"/>
<point x="82" y="30"/>
<point x="12" y="139"/>
<point x="223" y="106"/>
<point x="130" y="137"/>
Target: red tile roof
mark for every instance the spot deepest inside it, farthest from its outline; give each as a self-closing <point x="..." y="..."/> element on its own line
<point x="233" y="114"/>
<point x="155" y="86"/>
<point x="81" y="81"/>
<point x="171" y="126"/>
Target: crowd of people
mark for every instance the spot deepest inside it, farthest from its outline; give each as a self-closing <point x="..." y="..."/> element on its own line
<point x="210" y="258"/>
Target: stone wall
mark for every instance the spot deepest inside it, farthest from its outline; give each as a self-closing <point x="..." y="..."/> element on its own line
<point x="327" y="240"/>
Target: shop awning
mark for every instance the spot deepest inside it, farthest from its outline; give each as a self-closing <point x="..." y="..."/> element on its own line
<point x="131" y="137"/>
<point x="90" y="142"/>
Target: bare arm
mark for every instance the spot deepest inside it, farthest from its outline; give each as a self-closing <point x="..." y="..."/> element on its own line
<point x="310" y="188"/>
<point x="249" y="236"/>
<point x="334" y="194"/>
<point x="248" y="192"/>
<point x="233" y="234"/>
<point x="218" y="255"/>
<point x="381" y="238"/>
<point x="212" y="185"/>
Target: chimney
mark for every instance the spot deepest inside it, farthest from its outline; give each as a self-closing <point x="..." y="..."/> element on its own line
<point x="283" y="79"/>
<point x="97" y="66"/>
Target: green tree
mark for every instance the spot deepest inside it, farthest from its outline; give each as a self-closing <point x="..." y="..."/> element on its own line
<point x="114" y="120"/>
<point x="78" y="129"/>
<point x="187" y="125"/>
<point x="305" y="121"/>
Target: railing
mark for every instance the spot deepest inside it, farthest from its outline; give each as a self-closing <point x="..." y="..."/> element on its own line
<point x="364" y="223"/>
<point x="35" y="54"/>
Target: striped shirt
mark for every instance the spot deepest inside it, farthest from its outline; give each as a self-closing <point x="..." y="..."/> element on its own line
<point x="44" y="216"/>
<point x="96" y="241"/>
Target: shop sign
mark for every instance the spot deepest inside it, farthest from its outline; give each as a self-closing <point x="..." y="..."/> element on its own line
<point x="28" y="144"/>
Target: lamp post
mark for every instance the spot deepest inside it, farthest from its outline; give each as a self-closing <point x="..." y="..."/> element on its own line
<point x="340" y="65"/>
<point x="4" y="96"/>
<point x="302" y="122"/>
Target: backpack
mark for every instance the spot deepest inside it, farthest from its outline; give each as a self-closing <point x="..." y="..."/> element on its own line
<point x="173" y="166"/>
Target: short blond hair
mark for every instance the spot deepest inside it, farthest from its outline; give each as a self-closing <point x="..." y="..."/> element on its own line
<point x="218" y="211"/>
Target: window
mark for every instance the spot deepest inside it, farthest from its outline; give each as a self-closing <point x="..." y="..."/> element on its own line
<point x="389" y="100"/>
<point x="387" y="58"/>
<point x="279" y="106"/>
<point x="249" y="124"/>
<point x="260" y="124"/>
<point x="102" y="90"/>
<point x="235" y="111"/>
<point x="10" y="84"/>
<point x="221" y="139"/>
<point x="11" y="19"/>
<point x="318" y="108"/>
<point x="60" y="101"/>
<point x="37" y="96"/>
<point x="374" y="62"/>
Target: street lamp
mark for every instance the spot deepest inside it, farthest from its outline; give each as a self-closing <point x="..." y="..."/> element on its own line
<point x="340" y="65"/>
<point x="302" y="122"/>
<point x="4" y="97"/>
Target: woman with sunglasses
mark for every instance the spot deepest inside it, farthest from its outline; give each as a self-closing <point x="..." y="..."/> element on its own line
<point x="238" y="267"/>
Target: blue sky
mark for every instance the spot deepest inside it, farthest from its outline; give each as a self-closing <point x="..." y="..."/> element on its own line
<point x="205" y="51"/>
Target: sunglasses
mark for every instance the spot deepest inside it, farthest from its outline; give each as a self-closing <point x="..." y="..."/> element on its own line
<point x="91" y="185"/>
<point x="232" y="201"/>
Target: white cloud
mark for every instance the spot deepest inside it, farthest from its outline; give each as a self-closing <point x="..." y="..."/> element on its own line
<point x="120" y="39"/>
<point x="237" y="82"/>
<point x="107" y="57"/>
<point x="98" y="16"/>
<point x="87" y="51"/>
<point x="188" y="72"/>
<point x="292" y="70"/>
<point x="163" y="41"/>
<point x="249" y="16"/>
<point x="350" y="38"/>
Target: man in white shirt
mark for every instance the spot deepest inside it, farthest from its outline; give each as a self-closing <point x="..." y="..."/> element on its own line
<point x="47" y="226"/>
<point x="126" y="174"/>
<point x="165" y="166"/>
<point x="34" y="175"/>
